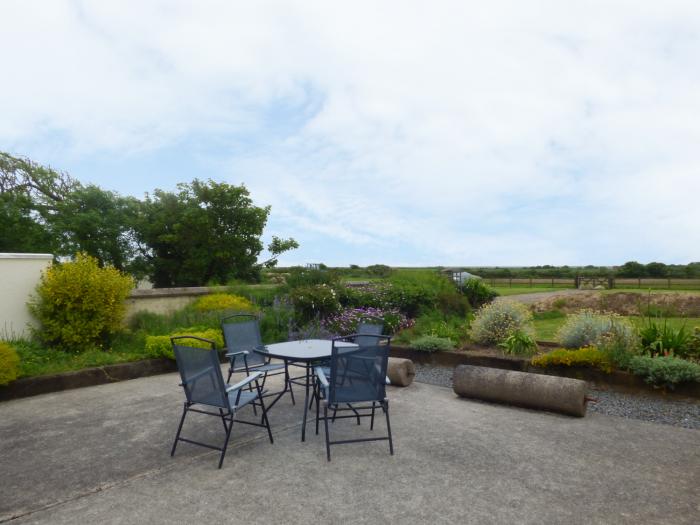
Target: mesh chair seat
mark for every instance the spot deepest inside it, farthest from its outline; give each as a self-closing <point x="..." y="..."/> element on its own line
<point x="246" y="397"/>
<point x="268" y="367"/>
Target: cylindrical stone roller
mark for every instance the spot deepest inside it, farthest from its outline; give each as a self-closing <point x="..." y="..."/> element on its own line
<point x="400" y="371"/>
<point x="558" y="394"/>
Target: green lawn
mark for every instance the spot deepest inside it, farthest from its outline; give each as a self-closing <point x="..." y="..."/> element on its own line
<point x="547" y="328"/>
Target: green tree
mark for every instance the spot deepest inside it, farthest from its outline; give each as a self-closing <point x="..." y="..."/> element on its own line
<point x="206" y="232"/>
<point x="29" y="195"/>
<point x="632" y="269"/>
<point x="97" y="222"/>
<point x="656" y="269"/>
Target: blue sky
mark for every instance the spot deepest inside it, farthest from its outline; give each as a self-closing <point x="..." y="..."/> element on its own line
<point x="405" y="133"/>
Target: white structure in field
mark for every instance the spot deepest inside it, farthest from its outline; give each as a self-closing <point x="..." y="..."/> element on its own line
<point x="19" y="275"/>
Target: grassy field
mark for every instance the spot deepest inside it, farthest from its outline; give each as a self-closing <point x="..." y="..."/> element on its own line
<point x="546" y="329"/>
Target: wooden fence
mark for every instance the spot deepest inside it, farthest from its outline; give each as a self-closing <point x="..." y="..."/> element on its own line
<point x="642" y="284"/>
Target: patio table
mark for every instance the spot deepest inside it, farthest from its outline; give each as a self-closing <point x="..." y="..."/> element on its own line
<point x="306" y="353"/>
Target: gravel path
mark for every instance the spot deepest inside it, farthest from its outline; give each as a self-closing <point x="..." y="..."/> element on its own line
<point x="645" y="407"/>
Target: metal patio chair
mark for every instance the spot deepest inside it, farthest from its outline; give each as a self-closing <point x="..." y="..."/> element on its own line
<point x="368" y="326"/>
<point x="242" y="337"/>
<point x="357" y="378"/>
<point x="204" y="384"/>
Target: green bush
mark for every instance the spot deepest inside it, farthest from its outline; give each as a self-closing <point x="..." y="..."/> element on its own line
<point x="665" y="371"/>
<point x="316" y="301"/>
<point x="519" y="343"/>
<point x="416" y="292"/>
<point x="477" y="292"/>
<point x="658" y="338"/>
<point x="9" y="363"/>
<point x="161" y="346"/>
<point x="80" y="305"/>
<point x="223" y="301"/>
<point x="431" y="343"/>
<point x="588" y="356"/>
<point x="588" y="327"/>
<point x="373" y="295"/>
<point x="496" y="321"/>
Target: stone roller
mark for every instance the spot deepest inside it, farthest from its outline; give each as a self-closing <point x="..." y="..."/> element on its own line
<point x="558" y="394"/>
<point x="400" y="371"/>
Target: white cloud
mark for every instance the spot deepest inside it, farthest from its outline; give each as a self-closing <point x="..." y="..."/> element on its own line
<point x="445" y="133"/>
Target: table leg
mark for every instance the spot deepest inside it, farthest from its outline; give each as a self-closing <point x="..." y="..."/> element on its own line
<point x="306" y="402"/>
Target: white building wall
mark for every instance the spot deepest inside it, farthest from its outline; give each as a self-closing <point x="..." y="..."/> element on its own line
<point x="19" y="275"/>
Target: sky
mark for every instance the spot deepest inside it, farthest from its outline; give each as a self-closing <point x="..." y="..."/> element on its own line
<point x="408" y="133"/>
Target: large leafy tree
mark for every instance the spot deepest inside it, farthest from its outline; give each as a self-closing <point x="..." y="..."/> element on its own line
<point x="42" y="209"/>
<point x="205" y="232"/>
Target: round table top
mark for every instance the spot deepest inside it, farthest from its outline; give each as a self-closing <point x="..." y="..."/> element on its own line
<point x="304" y="350"/>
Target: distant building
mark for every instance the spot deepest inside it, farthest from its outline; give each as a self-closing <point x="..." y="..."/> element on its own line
<point x="459" y="275"/>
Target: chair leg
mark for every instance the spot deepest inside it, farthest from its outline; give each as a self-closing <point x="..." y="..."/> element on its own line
<point x="318" y="404"/>
<point x="179" y="429"/>
<point x="328" y="439"/>
<point x="230" y="373"/>
<point x="228" y="436"/>
<point x="371" y="424"/>
<point x="223" y="419"/>
<point x="388" y="426"/>
<point x="265" y="420"/>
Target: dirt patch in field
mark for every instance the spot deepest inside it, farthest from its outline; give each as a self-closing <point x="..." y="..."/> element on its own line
<point x="625" y="303"/>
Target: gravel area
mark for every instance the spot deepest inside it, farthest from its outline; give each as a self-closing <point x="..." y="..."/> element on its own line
<point x="657" y="409"/>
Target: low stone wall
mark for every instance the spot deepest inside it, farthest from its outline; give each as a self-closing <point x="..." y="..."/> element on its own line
<point x="165" y="300"/>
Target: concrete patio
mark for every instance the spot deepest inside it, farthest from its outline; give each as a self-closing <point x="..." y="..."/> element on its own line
<point x="101" y="455"/>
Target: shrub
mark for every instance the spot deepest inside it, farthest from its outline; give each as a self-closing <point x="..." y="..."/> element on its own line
<point x="310" y="302"/>
<point x="345" y="322"/>
<point x="79" y="304"/>
<point x="431" y="343"/>
<point x="619" y="344"/>
<point x="161" y="346"/>
<point x="9" y="363"/>
<point x="496" y="321"/>
<point x="477" y="292"/>
<point x="664" y="371"/>
<point x="588" y="327"/>
<point x="519" y="343"/>
<point x="657" y="338"/>
<point x="416" y="292"/>
<point x="374" y="295"/>
<point x="694" y="344"/>
<point x="223" y="301"/>
<point x="587" y="356"/>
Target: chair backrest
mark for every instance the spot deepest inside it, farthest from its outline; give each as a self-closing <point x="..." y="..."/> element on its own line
<point x="200" y="371"/>
<point x="358" y="373"/>
<point x="368" y="326"/>
<point x="242" y="332"/>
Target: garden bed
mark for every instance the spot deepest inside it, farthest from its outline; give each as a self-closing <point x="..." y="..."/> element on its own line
<point x="494" y="358"/>
<point x="469" y="355"/>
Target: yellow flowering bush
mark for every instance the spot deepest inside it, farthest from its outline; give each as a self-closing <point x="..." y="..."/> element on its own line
<point x="79" y="304"/>
<point x="587" y="356"/>
<point x="223" y="301"/>
<point x="9" y="363"/>
<point x="161" y="346"/>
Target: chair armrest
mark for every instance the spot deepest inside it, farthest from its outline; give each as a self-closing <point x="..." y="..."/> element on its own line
<point x="321" y="376"/>
<point x="233" y="354"/>
<point x="243" y="382"/>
